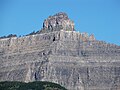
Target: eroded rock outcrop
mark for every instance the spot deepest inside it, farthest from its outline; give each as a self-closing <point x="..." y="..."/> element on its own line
<point x="75" y="60"/>
<point x="57" y="22"/>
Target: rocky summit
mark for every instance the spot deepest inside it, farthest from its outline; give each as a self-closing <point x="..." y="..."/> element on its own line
<point x="61" y="55"/>
<point x="57" y="22"/>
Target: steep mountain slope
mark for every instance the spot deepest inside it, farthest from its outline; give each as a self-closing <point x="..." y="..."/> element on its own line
<point x="59" y="54"/>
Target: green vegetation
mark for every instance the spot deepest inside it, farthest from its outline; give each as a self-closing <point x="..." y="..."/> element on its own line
<point x="37" y="85"/>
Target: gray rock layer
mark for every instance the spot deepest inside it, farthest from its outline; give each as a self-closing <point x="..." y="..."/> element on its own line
<point x="68" y="58"/>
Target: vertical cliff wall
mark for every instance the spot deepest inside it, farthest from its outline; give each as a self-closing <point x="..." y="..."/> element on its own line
<point x="64" y="57"/>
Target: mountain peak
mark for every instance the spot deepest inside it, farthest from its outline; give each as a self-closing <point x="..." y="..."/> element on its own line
<point x="57" y="22"/>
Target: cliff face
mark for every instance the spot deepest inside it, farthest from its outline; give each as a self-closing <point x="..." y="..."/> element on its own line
<point x="75" y="60"/>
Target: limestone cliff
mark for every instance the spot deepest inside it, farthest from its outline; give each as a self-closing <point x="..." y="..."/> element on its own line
<point x="75" y="60"/>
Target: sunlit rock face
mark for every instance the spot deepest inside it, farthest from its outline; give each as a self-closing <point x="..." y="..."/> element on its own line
<point x="74" y="60"/>
<point x="57" y="22"/>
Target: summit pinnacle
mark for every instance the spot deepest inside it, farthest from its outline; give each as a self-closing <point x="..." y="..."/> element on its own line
<point x="57" y="22"/>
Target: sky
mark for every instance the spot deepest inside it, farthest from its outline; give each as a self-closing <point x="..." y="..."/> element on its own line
<point x="98" y="17"/>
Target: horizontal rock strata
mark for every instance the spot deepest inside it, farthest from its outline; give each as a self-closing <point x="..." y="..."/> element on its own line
<point x="63" y="57"/>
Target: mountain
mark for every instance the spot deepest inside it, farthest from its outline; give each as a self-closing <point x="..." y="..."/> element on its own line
<point x="59" y="54"/>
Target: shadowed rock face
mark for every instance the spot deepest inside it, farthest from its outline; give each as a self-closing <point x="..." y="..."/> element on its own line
<point x="75" y="60"/>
